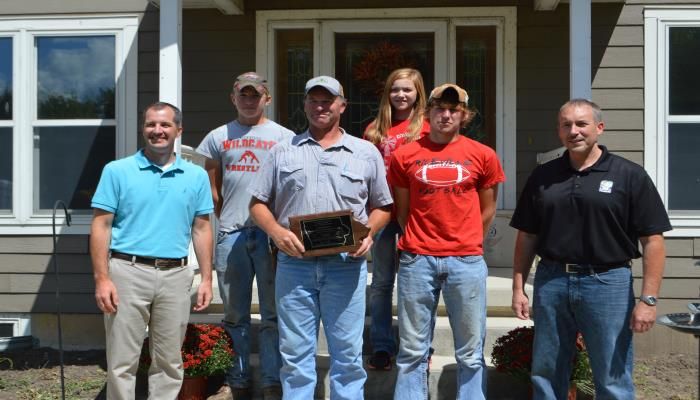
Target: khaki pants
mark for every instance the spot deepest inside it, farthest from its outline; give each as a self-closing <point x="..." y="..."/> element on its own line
<point x="159" y="299"/>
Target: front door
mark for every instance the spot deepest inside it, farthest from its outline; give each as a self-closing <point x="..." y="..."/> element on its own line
<point x="453" y="45"/>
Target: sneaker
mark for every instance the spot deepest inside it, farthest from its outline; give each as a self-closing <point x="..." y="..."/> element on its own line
<point x="224" y="393"/>
<point x="241" y="393"/>
<point x="380" y="361"/>
<point x="272" y="392"/>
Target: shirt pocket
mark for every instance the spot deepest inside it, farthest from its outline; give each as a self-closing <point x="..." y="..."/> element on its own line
<point x="352" y="186"/>
<point x="292" y="178"/>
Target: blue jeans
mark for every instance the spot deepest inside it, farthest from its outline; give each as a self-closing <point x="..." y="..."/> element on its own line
<point x="382" y="289"/>
<point x="462" y="281"/>
<point x="329" y="289"/>
<point x="241" y="256"/>
<point x="598" y="305"/>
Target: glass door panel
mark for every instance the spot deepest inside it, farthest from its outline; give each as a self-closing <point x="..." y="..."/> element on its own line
<point x="364" y="60"/>
<point x="294" y="54"/>
<point x="476" y="72"/>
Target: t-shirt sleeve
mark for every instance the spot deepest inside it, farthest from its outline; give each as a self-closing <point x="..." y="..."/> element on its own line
<point x="525" y="216"/>
<point x="397" y="174"/>
<point x="106" y="195"/>
<point x="648" y="212"/>
<point x="493" y="171"/>
<point x="287" y="134"/>
<point x="208" y="147"/>
<point x="364" y="134"/>
<point x="263" y="186"/>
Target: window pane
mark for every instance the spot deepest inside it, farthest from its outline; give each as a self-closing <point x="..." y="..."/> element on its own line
<point x="68" y="163"/>
<point x="5" y="170"/>
<point x="75" y="77"/>
<point x="295" y="56"/>
<point x="683" y="167"/>
<point x="5" y="78"/>
<point x="476" y="73"/>
<point x="364" y="60"/>
<point x="684" y="63"/>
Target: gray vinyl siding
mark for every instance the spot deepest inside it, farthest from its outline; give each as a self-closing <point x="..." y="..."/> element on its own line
<point x="28" y="280"/>
<point x="43" y="7"/>
<point x="216" y="49"/>
<point x="542" y="83"/>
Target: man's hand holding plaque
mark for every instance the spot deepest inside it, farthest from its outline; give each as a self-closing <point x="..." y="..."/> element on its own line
<point x="330" y="233"/>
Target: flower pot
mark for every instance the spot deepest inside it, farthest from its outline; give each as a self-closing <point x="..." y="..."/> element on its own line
<point x="193" y="388"/>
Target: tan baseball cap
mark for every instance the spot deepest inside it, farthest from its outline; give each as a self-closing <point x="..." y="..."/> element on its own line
<point x="449" y="92"/>
<point x="253" y="80"/>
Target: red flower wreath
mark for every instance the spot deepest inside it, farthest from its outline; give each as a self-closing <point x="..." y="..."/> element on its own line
<point x="377" y="63"/>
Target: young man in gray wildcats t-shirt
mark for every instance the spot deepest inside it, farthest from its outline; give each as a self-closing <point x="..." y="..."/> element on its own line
<point x="234" y="153"/>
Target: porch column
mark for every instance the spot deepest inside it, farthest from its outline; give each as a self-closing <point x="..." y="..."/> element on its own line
<point x="170" y="62"/>
<point x="580" y="49"/>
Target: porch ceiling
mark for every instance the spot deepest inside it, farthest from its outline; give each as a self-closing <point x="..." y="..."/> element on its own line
<point x="551" y="5"/>
<point x="228" y="7"/>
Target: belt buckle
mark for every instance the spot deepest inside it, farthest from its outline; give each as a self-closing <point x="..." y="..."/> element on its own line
<point x="157" y="263"/>
<point x="571" y="268"/>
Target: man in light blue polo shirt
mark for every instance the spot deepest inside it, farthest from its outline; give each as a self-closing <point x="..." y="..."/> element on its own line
<point x="323" y="169"/>
<point x="146" y="209"/>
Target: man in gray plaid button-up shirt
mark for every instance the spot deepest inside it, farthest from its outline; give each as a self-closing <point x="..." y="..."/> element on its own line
<point x="324" y="169"/>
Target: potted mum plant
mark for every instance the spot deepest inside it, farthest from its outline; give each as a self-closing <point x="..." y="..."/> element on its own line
<point x="512" y="354"/>
<point x="206" y="351"/>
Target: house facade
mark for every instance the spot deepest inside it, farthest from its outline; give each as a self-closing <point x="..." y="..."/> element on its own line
<point x="74" y="76"/>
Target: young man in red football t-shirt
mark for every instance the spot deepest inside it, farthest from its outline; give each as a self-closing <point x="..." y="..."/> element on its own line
<point x="445" y="189"/>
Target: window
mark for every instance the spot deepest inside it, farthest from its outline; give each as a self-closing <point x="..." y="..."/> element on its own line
<point x="672" y="109"/>
<point x="5" y="125"/>
<point x="472" y="46"/>
<point x="67" y="95"/>
<point x="15" y="325"/>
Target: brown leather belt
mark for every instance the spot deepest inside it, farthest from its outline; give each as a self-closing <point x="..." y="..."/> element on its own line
<point x="153" y="262"/>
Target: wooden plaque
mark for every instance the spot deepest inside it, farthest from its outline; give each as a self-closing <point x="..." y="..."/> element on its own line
<point x="328" y="233"/>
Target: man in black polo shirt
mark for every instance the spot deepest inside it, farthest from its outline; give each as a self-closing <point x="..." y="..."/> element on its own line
<point x="584" y="214"/>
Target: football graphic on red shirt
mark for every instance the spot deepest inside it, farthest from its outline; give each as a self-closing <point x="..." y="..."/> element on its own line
<point x="442" y="174"/>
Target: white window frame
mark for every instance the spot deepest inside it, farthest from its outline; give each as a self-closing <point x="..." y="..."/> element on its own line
<point x="21" y="323"/>
<point x="657" y="21"/>
<point x="24" y="30"/>
<point x="441" y="21"/>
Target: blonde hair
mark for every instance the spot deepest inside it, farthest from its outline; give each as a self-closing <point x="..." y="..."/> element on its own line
<point x="378" y="129"/>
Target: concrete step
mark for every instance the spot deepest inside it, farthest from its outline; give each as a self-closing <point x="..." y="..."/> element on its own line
<point x="443" y="343"/>
<point x="442" y="381"/>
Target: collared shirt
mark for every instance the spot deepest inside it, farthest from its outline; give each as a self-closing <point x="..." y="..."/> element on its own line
<point x="153" y="208"/>
<point x="300" y="177"/>
<point x="594" y="216"/>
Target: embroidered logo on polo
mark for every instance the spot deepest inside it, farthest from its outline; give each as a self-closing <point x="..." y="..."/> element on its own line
<point x="605" y="186"/>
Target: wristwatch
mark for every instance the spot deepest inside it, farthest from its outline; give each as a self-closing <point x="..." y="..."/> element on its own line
<point x="648" y="300"/>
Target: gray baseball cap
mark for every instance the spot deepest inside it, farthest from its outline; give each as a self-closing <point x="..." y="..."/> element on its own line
<point x="330" y="84"/>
